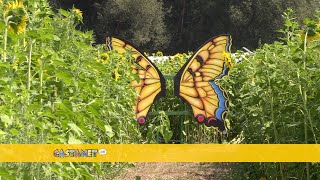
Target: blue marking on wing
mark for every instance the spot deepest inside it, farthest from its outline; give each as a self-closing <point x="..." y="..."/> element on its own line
<point x="222" y="100"/>
<point x="224" y="72"/>
<point x="228" y="44"/>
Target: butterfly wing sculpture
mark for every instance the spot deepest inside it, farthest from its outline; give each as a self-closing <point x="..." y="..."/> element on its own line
<point x="195" y="82"/>
<point x="151" y="85"/>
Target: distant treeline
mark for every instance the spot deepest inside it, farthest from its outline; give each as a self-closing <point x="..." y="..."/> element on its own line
<point x="175" y="26"/>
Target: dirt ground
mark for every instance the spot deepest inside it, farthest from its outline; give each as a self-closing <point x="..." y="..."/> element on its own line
<point x="177" y="171"/>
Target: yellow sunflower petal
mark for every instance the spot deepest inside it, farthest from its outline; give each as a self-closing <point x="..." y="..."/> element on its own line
<point x="227" y="58"/>
<point x="17" y="16"/>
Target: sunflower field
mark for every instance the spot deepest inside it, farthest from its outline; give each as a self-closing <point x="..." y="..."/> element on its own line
<point x="56" y="87"/>
<point x="275" y="98"/>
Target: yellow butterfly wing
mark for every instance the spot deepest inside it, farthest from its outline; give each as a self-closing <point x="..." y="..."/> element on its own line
<point x="195" y="81"/>
<point x="151" y="85"/>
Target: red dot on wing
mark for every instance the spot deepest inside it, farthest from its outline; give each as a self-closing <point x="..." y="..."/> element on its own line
<point x="200" y="118"/>
<point x="212" y="119"/>
<point x="141" y="120"/>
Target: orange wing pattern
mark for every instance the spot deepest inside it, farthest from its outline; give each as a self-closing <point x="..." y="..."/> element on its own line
<point x="152" y="83"/>
<point x="195" y="82"/>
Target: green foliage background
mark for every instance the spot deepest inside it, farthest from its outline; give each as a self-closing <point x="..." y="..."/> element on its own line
<point x="57" y="88"/>
<point x="275" y="98"/>
<point x="54" y="89"/>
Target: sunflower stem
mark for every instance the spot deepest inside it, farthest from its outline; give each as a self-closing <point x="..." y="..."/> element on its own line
<point x="29" y="68"/>
<point x="275" y="132"/>
<point x="41" y="79"/>
<point x="304" y="99"/>
<point x="5" y="45"/>
<point x="5" y="39"/>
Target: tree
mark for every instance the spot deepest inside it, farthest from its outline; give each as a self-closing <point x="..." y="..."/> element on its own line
<point x="193" y="22"/>
<point x="180" y="25"/>
<point x="254" y="21"/>
<point x="140" y="21"/>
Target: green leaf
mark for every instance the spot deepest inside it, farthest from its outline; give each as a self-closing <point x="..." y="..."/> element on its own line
<point x="109" y="131"/>
<point x="56" y="38"/>
<point x="64" y="12"/>
<point x="2" y="25"/>
<point x="54" y="130"/>
<point x="14" y="131"/>
<point x="87" y="131"/>
<point x="6" y="174"/>
<point x="33" y="34"/>
<point x="50" y="37"/>
<point x="34" y="107"/>
<point x="65" y="77"/>
<point x="2" y="133"/>
<point x="75" y="128"/>
<point x="6" y="119"/>
<point x="97" y="167"/>
<point x="50" y="115"/>
<point x="80" y="45"/>
<point x="32" y="134"/>
<point x="73" y="140"/>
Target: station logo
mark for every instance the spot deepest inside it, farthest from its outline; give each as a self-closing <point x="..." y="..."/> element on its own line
<point x="78" y="152"/>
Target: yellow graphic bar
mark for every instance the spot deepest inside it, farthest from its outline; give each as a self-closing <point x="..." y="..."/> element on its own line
<point x="159" y="153"/>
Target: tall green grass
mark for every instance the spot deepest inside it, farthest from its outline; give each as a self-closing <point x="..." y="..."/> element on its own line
<point x="275" y="97"/>
<point x="54" y="89"/>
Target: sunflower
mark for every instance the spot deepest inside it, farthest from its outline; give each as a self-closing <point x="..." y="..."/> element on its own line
<point x="159" y="53"/>
<point x="314" y="37"/>
<point x="227" y="58"/>
<point x="317" y="35"/>
<point x="179" y="58"/>
<point x="116" y="73"/>
<point x="105" y="58"/>
<point x="17" y="16"/>
<point x="77" y="14"/>
<point x="313" y="32"/>
<point x="15" y="64"/>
